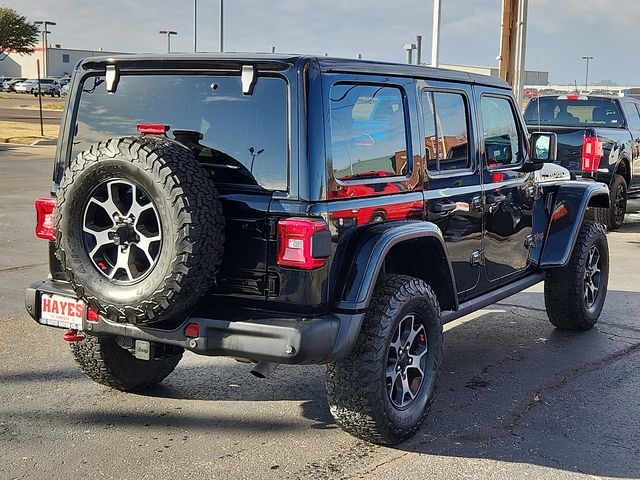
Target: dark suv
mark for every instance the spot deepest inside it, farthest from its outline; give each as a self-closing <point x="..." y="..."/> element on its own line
<point x="301" y="210"/>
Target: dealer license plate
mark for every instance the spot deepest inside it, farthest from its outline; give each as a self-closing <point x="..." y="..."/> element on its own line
<point x="60" y="311"/>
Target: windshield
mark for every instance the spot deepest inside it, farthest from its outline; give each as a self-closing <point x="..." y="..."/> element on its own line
<point x="240" y="139"/>
<point x="565" y="112"/>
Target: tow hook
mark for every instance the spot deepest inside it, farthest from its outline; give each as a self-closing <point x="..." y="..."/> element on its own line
<point x="72" y="335"/>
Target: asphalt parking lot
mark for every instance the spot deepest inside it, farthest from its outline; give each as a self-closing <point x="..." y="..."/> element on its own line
<point x="22" y="107"/>
<point x="517" y="398"/>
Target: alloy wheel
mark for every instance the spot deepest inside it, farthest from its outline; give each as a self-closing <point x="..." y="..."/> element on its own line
<point x="406" y="361"/>
<point x="122" y="231"/>
<point x="619" y="204"/>
<point x="592" y="276"/>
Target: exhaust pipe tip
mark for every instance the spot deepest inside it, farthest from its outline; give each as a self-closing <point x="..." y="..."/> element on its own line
<point x="264" y="369"/>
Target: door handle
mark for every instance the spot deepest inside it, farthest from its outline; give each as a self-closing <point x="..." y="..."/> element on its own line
<point x="442" y="207"/>
<point x="495" y="198"/>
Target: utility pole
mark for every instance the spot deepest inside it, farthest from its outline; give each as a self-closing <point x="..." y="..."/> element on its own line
<point x="435" y="34"/>
<point x="221" y="27"/>
<point x="45" y="47"/>
<point x="586" y="77"/>
<point x="168" y="33"/>
<point x="513" y="44"/>
<point x="195" y="26"/>
<point x="418" y="49"/>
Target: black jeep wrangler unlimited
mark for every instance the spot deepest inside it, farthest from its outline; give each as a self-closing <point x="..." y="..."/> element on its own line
<point x="301" y="210"/>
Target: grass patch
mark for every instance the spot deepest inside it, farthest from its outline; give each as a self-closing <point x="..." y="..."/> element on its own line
<point x="26" y="133"/>
<point x="53" y="105"/>
<point x="46" y="105"/>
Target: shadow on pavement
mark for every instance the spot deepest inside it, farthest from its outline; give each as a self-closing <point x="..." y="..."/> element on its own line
<point x="513" y="389"/>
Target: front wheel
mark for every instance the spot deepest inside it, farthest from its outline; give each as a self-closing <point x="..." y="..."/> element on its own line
<point x="382" y="391"/>
<point x="574" y="295"/>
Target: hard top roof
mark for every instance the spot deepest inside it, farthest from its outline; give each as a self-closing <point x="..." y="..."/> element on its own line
<point x="281" y="61"/>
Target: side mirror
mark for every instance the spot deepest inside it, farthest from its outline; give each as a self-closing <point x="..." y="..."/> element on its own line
<point x="544" y="147"/>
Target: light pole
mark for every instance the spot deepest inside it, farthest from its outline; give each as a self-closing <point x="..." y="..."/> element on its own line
<point x="195" y="26"/>
<point x="45" y="48"/>
<point x="168" y="33"/>
<point x="221" y="26"/>
<point x="435" y="34"/>
<point x="586" y="77"/>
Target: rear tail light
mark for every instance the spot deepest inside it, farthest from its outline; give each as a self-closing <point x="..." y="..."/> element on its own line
<point x="591" y="154"/>
<point x="303" y="243"/>
<point x="45" y="210"/>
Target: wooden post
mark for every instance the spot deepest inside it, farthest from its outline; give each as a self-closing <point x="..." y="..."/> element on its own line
<point x="507" y="40"/>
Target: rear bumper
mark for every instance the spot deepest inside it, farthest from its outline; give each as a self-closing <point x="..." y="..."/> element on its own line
<point x="256" y="336"/>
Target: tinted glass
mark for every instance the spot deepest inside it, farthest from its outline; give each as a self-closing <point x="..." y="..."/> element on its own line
<point x="631" y="112"/>
<point x="564" y="112"/>
<point x="501" y="141"/>
<point x="430" y="135"/>
<point x="368" y="136"/>
<point x="240" y="139"/>
<point x="452" y="130"/>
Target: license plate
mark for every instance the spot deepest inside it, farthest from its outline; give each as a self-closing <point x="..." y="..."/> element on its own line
<point x="59" y="311"/>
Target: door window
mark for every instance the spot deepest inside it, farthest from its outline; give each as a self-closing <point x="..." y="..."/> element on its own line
<point x="500" y="132"/>
<point x="446" y="131"/>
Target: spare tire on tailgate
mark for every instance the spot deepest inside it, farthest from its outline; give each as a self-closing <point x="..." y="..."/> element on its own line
<point x="139" y="228"/>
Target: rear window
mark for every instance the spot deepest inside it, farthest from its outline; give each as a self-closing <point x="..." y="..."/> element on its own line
<point x="564" y="112"/>
<point x="240" y="139"/>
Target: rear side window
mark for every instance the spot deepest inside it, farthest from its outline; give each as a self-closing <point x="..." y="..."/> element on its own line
<point x="500" y="132"/>
<point x="583" y="111"/>
<point x="446" y="127"/>
<point x="240" y="139"/>
<point x="633" y="118"/>
<point x="368" y="132"/>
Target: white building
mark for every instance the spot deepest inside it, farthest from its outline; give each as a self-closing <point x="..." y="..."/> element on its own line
<point x="531" y="77"/>
<point x="54" y="61"/>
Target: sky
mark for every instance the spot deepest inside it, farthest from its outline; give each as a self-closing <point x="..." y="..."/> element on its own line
<point x="560" y="32"/>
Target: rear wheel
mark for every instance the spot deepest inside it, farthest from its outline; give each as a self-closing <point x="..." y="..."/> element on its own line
<point x="139" y="229"/>
<point x="105" y="362"/>
<point x="574" y="295"/>
<point x="612" y="217"/>
<point x="382" y="391"/>
<point x="378" y="217"/>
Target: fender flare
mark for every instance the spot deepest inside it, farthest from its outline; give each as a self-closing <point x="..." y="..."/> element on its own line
<point x="566" y="217"/>
<point x="366" y="261"/>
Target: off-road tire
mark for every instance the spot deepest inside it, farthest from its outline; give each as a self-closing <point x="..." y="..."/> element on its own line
<point x="192" y="225"/>
<point x="105" y="362"/>
<point x="356" y="385"/>
<point x="564" y="288"/>
<point x="612" y="217"/>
